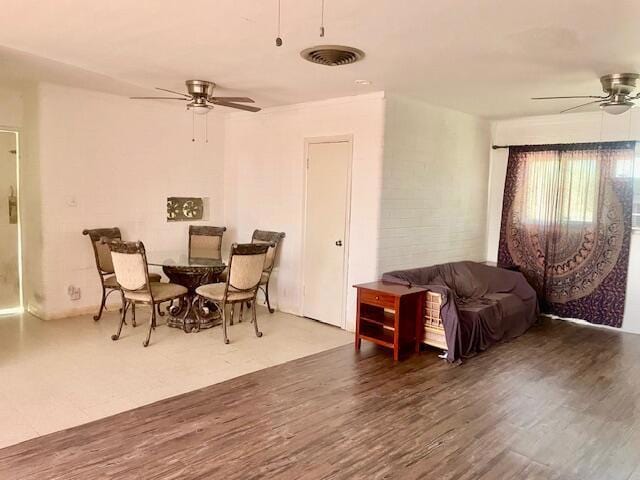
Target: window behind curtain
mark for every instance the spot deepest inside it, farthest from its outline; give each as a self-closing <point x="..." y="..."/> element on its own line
<point x="575" y="201"/>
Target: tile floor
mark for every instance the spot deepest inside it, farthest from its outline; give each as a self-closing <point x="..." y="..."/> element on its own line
<point x="58" y="374"/>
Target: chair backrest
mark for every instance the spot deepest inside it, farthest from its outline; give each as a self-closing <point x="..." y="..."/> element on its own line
<point x="273" y="239"/>
<point x="101" y="250"/>
<point x="130" y="264"/>
<point x="205" y="242"/>
<point x="246" y="264"/>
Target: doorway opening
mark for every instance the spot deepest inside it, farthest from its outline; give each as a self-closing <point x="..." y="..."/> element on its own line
<point x="326" y="229"/>
<point x="11" y="299"/>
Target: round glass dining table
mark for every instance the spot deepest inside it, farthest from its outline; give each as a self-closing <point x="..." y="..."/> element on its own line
<point x="189" y="314"/>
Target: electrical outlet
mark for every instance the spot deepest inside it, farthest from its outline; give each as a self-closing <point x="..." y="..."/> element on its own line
<point x="74" y="292"/>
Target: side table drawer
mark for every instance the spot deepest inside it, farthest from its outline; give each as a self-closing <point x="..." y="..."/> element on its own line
<point x="377" y="298"/>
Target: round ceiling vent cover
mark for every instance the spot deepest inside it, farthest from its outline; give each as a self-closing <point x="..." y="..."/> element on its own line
<point x="332" y="55"/>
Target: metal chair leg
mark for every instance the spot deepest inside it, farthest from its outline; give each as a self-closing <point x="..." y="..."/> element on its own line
<point x="160" y="312"/>
<point x="249" y="306"/>
<point x="102" y="304"/>
<point x="255" y="320"/>
<point x="266" y="296"/>
<point x="122" y="304"/>
<point x="133" y="314"/>
<point x="124" y="308"/>
<point x="125" y="305"/>
<point x="152" y="325"/>
<point x="224" y="322"/>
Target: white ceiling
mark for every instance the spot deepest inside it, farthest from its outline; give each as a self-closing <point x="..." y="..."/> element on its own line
<point x="480" y="56"/>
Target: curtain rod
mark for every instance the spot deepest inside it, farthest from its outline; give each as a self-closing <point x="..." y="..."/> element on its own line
<point x="497" y="147"/>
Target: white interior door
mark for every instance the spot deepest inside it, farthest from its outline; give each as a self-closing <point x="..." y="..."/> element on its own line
<point x="325" y="231"/>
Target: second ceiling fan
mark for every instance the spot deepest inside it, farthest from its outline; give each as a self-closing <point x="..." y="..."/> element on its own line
<point x="619" y="94"/>
<point x="201" y="100"/>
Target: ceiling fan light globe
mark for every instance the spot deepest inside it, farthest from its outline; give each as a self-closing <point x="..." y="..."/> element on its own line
<point x="200" y="109"/>
<point x="616" y="108"/>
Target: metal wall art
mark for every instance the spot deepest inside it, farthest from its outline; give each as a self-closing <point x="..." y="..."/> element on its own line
<point x="184" y="209"/>
<point x="13" y="207"/>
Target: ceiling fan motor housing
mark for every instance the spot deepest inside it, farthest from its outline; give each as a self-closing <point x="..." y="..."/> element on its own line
<point x="200" y="88"/>
<point x="619" y="83"/>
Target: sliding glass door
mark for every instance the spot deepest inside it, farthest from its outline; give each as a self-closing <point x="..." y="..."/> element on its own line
<point x="10" y="295"/>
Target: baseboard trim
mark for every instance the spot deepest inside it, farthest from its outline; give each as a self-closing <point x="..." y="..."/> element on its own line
<point x="71" y="312"/>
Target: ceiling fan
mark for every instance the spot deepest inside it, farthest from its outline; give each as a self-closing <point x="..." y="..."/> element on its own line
<point x="201" y="99"/>
<point x="619" y="96"/>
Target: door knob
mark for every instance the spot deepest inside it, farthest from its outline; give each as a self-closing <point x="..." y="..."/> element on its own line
<point x="339" y="243"/>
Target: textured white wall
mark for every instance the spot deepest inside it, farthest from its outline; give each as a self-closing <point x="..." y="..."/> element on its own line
<point x="567" y="128"/>
<point x="30" y="202"/>
<point x="11" y="107"/>
<point x="103" y="161"/>
<point x="264" y="183"/>
<point x="434" y="190"/>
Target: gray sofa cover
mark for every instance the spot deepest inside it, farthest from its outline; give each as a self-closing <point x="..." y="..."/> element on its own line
<point x="482" y="305"/>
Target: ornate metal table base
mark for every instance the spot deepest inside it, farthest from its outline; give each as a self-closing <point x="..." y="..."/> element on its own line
<point x="190" y="314"/>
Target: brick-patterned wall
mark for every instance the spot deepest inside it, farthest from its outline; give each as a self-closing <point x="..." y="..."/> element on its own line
<point x="434" y="187"/>
<point x="264" y="184"/>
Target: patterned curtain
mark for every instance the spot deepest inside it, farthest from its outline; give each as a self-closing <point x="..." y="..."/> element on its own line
<point x="566" y="223"/>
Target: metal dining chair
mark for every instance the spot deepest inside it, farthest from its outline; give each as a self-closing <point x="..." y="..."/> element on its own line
<point x="246" y="264"/>
<point x="132" y="274"/>
<point x="205" y="241"/>
<point x="272" y="239"/>
<point x="104" y="264"/>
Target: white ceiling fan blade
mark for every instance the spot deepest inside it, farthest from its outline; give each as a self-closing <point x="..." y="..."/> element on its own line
<point x="582" y="105"/>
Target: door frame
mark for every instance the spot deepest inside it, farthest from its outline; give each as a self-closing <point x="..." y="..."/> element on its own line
<point x="347" y="138"/>
<point x="18" y="134"/>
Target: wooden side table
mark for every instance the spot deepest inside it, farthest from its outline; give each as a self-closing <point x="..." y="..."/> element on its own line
<point x="390" y="315"/>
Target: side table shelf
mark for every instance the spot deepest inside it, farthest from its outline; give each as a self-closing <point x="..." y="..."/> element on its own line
<point x="389" y="315"/>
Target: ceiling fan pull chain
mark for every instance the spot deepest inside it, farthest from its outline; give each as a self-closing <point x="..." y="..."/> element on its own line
<point x="278" y="38"/>
<point x="193" y="125"/>
<point x="322" y="20"/>
<point x="206" y="129"/>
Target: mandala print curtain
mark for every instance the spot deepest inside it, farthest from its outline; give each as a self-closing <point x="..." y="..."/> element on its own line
<point x="566" y="223"/>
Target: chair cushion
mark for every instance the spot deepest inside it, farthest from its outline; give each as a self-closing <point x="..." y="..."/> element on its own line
<point x="155" y="277"/>
<point x="223" y="276"/>
<point x="104" y="257"/>
<point x="263" y="279"/>
<point x="111" y="282"/>
<point x="215" y="292"/>
<point x="161" y="293"/>
<point x="205" y="246"/>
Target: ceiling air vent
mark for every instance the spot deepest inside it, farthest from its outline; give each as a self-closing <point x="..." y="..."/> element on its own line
<point x="332" y="55"/>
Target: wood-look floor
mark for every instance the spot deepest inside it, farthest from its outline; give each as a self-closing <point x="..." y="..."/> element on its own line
<point x="558" y="403"/>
